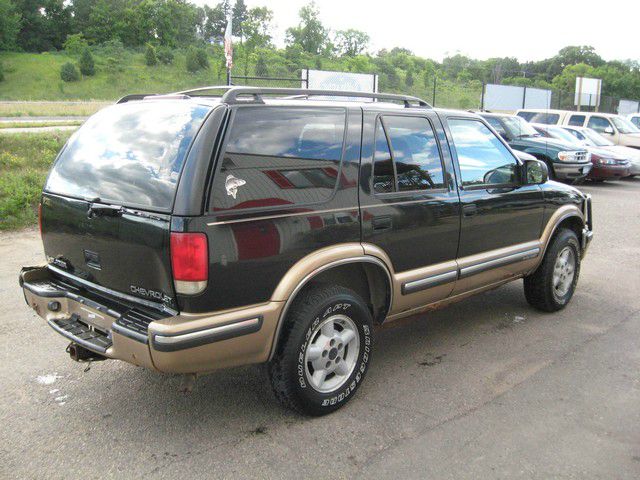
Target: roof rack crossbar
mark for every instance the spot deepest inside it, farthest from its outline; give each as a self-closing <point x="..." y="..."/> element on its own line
<point x="203" y="89"/>
<point x="233" y="95"/>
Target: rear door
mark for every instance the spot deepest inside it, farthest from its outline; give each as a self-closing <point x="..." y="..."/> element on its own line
<point x="107" y="203"/>
<point x="409" y="203"/>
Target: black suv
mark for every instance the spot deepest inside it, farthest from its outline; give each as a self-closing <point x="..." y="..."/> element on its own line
<point x="191" y="232"/>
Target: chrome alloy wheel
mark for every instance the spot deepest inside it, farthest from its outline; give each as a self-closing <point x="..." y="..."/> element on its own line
<point x="332" y="353"/>
<point x="564" y="272"/>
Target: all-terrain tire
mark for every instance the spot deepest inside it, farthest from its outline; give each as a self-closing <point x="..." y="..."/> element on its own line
<point x="545" y="291"/>
<point x="304" y="333"/>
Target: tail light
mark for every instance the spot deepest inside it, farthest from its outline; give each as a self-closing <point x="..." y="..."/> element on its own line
<point x="189" y="262"/>
<point x="40" y="218"/>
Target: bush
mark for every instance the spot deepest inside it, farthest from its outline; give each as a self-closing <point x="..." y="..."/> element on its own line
<point x="196" y="59"/>
<point x="150" y="57"/>
<point x="111" y="48"/>
<point x="75" y="44"/>
<point x="1" y="73"/>
<point x="69" y="72"/>
<point x="87" y="65"/>
<point x="165" y="55"/>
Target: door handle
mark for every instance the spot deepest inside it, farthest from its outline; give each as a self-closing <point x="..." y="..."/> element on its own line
<point x="382" y="223"/>
<point x="469" y="209"/>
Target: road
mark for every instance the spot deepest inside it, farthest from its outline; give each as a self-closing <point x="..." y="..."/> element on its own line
<point x="488" y="388"/>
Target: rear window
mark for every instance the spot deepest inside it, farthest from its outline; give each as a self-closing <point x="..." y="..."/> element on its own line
<point x="546" y="118"/>
<point x="277" y="156"/>
<point x="130" y="154"/>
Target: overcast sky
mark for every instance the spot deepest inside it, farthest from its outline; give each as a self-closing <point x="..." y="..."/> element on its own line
<point x="528" y="30"/>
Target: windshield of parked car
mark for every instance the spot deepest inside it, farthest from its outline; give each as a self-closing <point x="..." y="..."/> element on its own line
<point x="518" y="127"/>
<point x="624" y="126"/>
<point x="129" y="154"/>
<point x="597" y="139"/>
<point x="562" y="134"/>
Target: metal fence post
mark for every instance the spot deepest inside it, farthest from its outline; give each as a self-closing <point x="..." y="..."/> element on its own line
<point x="524" y="97"/>
<point x="434" y="91"/>
<point x="484" y="85"/>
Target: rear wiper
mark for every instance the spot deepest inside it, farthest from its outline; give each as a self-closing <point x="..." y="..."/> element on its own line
<point x="104" y="210"/>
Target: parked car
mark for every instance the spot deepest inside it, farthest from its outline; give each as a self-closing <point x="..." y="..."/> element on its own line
<point x="591" y="138"/>
<point x="186" y="233"/>
<point x="564" y="160"/>
<point x="635" y="119"/>
<point x="618" y="129"/>
<point x="607" y="165"/>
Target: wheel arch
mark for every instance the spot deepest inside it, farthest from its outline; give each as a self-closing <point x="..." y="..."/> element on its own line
<point x="568" y="216"/>
<point x="345" y="265"/>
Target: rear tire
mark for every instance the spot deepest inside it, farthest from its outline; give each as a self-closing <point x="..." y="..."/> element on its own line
<point x="324" y="350"/>
<point x="551" y="286"/>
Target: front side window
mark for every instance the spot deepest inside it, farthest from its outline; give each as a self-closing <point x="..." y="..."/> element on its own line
<point x="497" y="126"/>
<point x="412" y="160"/>
<point x="599" y="124"/>
<point x="483" y="158"/>
<point x="635" y="121"/>
<point x="623" y="125"/>
<point x="280" y="156"/>
<point x="576" y="120"/>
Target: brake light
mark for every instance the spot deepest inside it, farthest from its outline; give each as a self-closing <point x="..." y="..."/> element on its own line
<point x="189" y="262"/>
<point x="40" y="218"/>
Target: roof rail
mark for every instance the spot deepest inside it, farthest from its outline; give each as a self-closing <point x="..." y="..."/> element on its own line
<point x="135" y="96"/>
<point x="233" y="95"/>
<point x="203" y="89"/>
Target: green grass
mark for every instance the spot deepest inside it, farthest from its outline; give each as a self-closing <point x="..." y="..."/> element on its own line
<point x="25" y="160"/>
<point x="33" y="76"/>
<point x="50" y="109"/>
<point x="61" y="123"/>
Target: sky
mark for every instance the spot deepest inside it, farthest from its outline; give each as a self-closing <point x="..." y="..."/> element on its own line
<point x="527" y="30"/>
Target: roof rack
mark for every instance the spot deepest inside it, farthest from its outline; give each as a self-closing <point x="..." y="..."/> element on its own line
<point x="233" y="95"/>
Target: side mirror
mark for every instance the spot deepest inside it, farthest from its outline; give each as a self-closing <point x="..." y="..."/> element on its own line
<point x="609" y="131"/>
<point x="535" y="172"/>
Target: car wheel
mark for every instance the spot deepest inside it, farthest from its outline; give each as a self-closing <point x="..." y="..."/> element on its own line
<point x="324" y="350"/>
<point x="551" y="286"/>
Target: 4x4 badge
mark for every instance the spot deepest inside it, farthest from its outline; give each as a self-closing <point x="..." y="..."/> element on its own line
<point x="231" y="184"/>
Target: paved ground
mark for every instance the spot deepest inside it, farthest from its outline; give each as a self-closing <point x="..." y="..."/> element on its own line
<point x="486" y="389"/>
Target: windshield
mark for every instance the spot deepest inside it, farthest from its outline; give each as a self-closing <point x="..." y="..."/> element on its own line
<point x="624" y="126"/>
<point x="518" y="127"/>
<point x="562" y="134"/>
<point x="597" y="139"/>
<point x="129" y="154"/>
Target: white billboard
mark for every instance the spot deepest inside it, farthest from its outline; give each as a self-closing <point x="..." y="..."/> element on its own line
<point x="625" y="107"/>
<point x="588" y="92"/>
<point x="326" y="80"/>
<point x="507" y="97"/>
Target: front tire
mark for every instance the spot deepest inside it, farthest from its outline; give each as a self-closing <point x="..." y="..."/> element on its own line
<point x="551" y="286"/>
<point x="324" y="350"/>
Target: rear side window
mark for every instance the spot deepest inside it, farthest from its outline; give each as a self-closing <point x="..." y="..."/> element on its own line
<point x="483" y="158"/>
<point x="130" y="154"/>
<point x="495" y="123"/>
<point x="526" y="115"/>
<point x="635" y="121"/>
<point x="576" y="120"/>
<point x="546" y="118"/>
<point x="411" y="161"/>
<point x="280" y="156"/>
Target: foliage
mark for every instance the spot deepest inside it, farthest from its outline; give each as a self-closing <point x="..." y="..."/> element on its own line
<point x="196" y="59"/>
<point x="87" y="64"/>
<point x="69" y="72"/>
<point x="75" y="44"/>
<point x="150" y="56"/>
<point x="310" y="34"/>
<point x="1" y="72"/>
<point x="351" y="42"/>
<point x="165" y="55"/>
<point x="24" y="162"/>
<point x="10" y="21"/>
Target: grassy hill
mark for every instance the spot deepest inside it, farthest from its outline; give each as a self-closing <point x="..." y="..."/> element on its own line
<point x="33" y="76"/>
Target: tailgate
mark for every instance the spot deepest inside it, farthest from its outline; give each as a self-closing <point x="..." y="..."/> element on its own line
<point x="126" y="250"/>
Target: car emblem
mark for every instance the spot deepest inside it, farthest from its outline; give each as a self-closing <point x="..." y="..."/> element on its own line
<point x="232" y="184"/>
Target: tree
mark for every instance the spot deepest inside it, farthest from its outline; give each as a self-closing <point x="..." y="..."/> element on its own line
<point x="261" y="67"/>
<point x="351" y="42"/>
<point x="408" y="79"/>
<point x="214" y="24"/>
<point x="86" y="63"/>
<point x="257" y="29"/>
<point x="310" y="34"/>
<point x="10" y="21"/>
<point x="196" y="59"/>
<point x="69" y="72"/>
<point x="150" y="57"/>
<point x="45" y="24"/>
<point x="75" y="44"/>
<point x="239" y="15"/>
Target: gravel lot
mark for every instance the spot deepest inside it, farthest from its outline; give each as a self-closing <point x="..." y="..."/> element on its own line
<point x="488" y="388"/>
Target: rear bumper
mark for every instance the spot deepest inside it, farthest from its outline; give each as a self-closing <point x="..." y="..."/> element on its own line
<point x="572" y="171"/>
<point x="181" y="343"/>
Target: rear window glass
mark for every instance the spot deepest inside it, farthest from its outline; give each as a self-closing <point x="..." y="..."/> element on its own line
<point x="130" y="154"/>
<point x="546" y="118"/>
<point x="278" y="156"/>
<point x="576" y="120"/>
